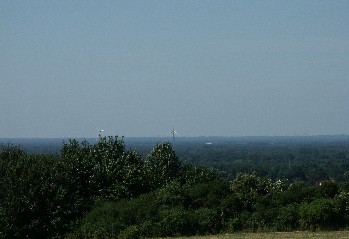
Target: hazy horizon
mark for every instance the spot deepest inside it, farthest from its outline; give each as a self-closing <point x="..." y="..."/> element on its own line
<point x="144" y="68"/>
<point x="169" y="137"/>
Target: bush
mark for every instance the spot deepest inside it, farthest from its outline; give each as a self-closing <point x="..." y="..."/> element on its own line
<point x="173" y="194"/>
<point x="327" y="189"/>
<point x="206" y="221"/>
<point x="287" y="218"/>
<point x="296" y="193"/>
<point x="249" y="187"/>
<point x="176" y="221"/>
<point x="35" y="200"/>
<point x="320" y="214"/>
<point x="102" y="222"/>
<point x="207" y="195"/>
<point x="234" y="225"/>
<point x="137" y="231"/>
<point x="231" y="207"/>
<point x="108" y="219"/>
<point x="342" y="200"/>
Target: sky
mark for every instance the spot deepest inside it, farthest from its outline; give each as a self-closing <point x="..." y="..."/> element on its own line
<point x="203" y="68"/>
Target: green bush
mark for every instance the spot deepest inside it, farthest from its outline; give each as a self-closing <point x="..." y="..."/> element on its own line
<point x="264" y="220"/>
<point x="137" y="231"/>
<point x="234" y="225"/>
<point x="206" y="221"/>
<point x="287" y="218"/>
<point x="176" y="221"/>
<point x="296" y="193"/>
<point x="102" y="222"/>
<point x="327" y="189"/>
<point x="108" y="219"/>
<point x="208" y="194"/>
<point x="173" y="194"/>
<point x="35" y="200"/>
<point x="249" y="187"/>
<point x="342" y="204"/>
<point x="231" y="207"/>
<point x="320" y="214"/>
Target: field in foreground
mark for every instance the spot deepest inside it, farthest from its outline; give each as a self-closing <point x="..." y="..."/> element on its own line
<point x="276" y="235"/>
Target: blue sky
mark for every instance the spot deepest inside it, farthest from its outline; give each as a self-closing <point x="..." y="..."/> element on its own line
<point x="205" y="68"/>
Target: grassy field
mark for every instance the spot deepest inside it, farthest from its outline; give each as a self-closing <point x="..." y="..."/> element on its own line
<point x="276" y="235"/>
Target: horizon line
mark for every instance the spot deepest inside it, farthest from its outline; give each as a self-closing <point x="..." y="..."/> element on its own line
<point x="201" y="136"/>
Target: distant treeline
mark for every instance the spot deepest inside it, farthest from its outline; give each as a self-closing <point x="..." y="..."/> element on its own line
<point x="105" y="190"/>
<point x="308" y="161"/>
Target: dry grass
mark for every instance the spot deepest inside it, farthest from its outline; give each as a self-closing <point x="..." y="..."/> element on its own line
<point x="276" y="235"/>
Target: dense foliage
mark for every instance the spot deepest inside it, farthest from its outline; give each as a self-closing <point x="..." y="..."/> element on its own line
<point x="105" y="190"/>
<point x="305" y="159"/>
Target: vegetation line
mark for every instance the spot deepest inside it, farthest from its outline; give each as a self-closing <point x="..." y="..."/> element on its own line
<point x="105" y="190"/>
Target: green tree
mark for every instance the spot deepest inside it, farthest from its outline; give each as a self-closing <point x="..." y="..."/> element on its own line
<point x="296" y="193"/>
<point x="162" y="165"/>
<point x="342" y="200"/>
<point x="209" y="195"/>
<point x="249" y="187"/>
<point x="132" y="174"/>
<point x="173" y="194"/>
<point x="107" y="164"/>
<point x="104" y="170"/>
<point x="327" y="189"/>
<point x="76" y="167"/>
<point x="31" y="198"/>
<point x="191" y="175"/>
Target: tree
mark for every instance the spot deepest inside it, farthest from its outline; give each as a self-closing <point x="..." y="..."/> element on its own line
<point x="195" y="174"/>
<point x="128" y="177"/>
<point x="327" y="189"/>
<point x="33" y="202"/>
<point x="104" y="170"/>
<point x="162" y="165"/>
<point x="107" y="164"/>
<point x="248" y="187"/>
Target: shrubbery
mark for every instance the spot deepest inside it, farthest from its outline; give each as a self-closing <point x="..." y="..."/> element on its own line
<point x="106" y="191"/>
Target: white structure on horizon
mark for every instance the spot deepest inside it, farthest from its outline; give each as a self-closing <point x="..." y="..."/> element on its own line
<point x="173" y="132"/>
<point x="100" y="133"/>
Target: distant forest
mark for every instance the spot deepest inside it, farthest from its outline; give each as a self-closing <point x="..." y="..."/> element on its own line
<point x="306" y="159"/>
<point x="142" y="187"/>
